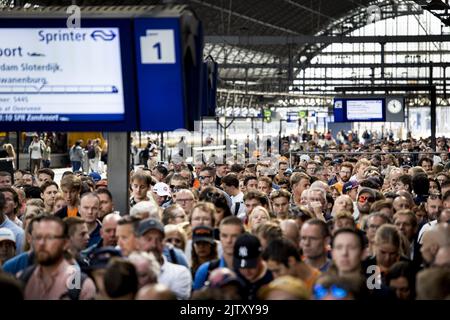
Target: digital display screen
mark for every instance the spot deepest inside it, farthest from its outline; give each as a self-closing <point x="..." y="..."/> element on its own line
<point x="358" y="110"/>
<point x="353" y="109"/>
<point x="61" y="75"/>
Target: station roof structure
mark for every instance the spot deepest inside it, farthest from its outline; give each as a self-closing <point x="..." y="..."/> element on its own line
<point x="308" y="47"/>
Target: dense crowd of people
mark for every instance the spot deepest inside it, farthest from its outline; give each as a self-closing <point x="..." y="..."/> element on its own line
<point x="319" y="219"/>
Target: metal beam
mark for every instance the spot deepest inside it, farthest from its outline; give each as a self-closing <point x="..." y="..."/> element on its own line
<point x="243" y="16"/>
<point x="302" y="39"/>
<point x="298" y="5"/>
<point x="331" y="65"/>
<point x="336" y="79"/>
<point x="371" y="53"/>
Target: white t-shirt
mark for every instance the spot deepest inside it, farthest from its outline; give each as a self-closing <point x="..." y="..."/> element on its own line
<point x="35" y="148"/>
<point x="178" y="278"/>
<point x="425" y="228"/>
<point x="239" y="198"/>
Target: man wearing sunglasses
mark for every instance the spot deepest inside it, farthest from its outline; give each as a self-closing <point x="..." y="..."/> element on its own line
<point x="365" y="198"/>
<point x="177" y="183"/>
<point x="207" y="177"/>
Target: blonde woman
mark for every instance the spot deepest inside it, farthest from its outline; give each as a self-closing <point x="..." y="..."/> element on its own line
<point x="60" y="203"/>
<point x="258" y="216"/>
<point x="387" y="249"/>
<point x="8" y="147"/>
<point x="174" y="234"/>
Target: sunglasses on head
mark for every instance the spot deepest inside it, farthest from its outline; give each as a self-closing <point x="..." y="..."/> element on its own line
<point x="320" y="292"/>
<point x="366" y="198"/>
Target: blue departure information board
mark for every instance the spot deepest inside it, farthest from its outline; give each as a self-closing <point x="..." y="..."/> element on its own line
<point x="359" y="109"/>
<point x="162" y="104"/>
<point x="110" y="74"/>
<point x="55" y="78"/>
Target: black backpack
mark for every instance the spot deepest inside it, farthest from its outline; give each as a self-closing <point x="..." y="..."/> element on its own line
<point x="91" y="152"/>
<point x="72" y="294"/>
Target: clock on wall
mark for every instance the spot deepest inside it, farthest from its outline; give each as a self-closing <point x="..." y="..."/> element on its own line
<point x="395" y="106"/>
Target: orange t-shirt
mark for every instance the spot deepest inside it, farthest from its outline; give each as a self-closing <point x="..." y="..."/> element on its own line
<point x="196" y="184"/>
<point x="72" y="212"/>
<point x="312" y="279"/>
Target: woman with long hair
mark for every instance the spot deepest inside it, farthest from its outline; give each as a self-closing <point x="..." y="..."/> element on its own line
<point x="204" y="247"/>
<point x="388" y="249"/>
<point x="11" y="154"/>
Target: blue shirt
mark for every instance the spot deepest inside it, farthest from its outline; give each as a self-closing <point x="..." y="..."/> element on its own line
<point x="18" y="263"/>
<point x="326" y="266"/>
<point x="179" y="255"/>
<point x="18" y="233"/>
<point x="95" y="237"/>
<point x="202" y="273"/>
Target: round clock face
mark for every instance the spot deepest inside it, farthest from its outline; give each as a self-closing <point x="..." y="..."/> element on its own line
<point x="394" y="106"/>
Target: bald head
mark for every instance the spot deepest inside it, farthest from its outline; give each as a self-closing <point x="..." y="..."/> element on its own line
<point x="440" y="233"/>
<point x="401" y="203"/>
<point x="444" y="217"/>
<point x="108" y="230"/>
<point x="321" y="185"/>
<point x="442" y="258"/>
<point x="433" y="239"/>
<point x="290" y="230"/>
<point x="111" y="218"/>
<point x="155" y="292"/>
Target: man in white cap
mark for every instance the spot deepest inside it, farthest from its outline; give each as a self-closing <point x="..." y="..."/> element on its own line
<point x="162" y="194"/>
<point x="304" y="158"/>
<point x="7" y="245"/>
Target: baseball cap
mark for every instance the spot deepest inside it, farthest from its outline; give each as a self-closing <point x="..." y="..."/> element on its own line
<point x="304" y="157"/>
<point x="368" y="190"/>
<point x="7" y="234"/>
<point x="203" y="234"/>
<point x="338" y="186"/>
<point x="289" y="284"/>
<point x="221" y="277"/>
<point x="247" y="250"/>
<point x="161" y="189"/>
<point x="149" y="224"/>
<point x="100" y="257"/>
<point x="95" y="176"/>
<point x="406" y="165"/>
<point x="350" y="185"/>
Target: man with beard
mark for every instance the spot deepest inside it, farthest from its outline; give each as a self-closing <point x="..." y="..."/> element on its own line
<point x="344" y="175"/>
<point x="365" y="198"/>
<point x="53" y="278"/>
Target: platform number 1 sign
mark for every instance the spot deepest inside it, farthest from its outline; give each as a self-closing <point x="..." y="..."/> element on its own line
<point x="158" y="47"/>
